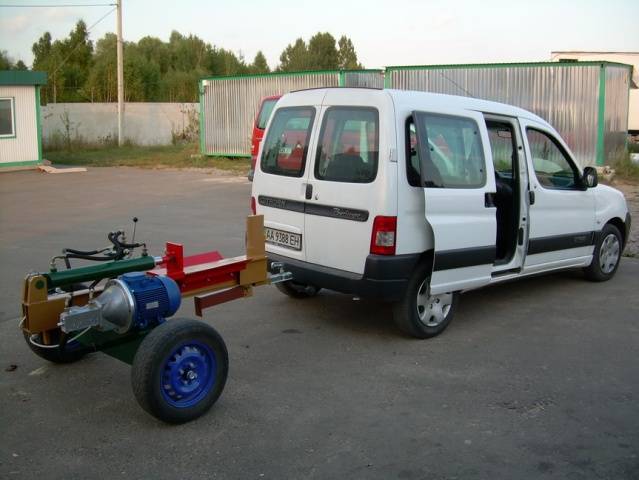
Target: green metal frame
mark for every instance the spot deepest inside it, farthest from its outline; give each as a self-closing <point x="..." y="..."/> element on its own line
<point x="507" y="65"/>
<point x="24" y="163"/>
<point x="13" y="114"/>
<point x="201" y="115"/>
<point x="289" y="74"/>
<point x="228" y="155"/>
<point x="601" y="116"/>
<point x="38" y="122"/>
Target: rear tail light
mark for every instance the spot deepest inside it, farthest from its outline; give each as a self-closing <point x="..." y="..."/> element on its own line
<point x="253" y="210"/>
<point x="384" y="236"/>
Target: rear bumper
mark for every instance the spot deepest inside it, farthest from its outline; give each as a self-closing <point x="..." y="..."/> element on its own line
<point x="384" y="278"/>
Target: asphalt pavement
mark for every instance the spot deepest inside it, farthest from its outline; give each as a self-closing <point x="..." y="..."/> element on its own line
<point x="533" y="379"/>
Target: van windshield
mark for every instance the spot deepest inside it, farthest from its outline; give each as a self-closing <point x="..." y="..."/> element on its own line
<point x="286" y="145"/>
<point x="265" y="112"/>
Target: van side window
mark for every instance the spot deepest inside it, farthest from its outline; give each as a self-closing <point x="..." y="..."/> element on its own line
<point x="286" y="145"/>
<point x="452" y="151"/>
<point x="348" y="147"/>
<point x="412" y="159"/>
<point x="552" y="165"/>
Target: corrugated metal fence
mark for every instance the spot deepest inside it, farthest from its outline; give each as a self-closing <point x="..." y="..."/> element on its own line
<point x="230" y="103"/>
<point x="587" y="102"/>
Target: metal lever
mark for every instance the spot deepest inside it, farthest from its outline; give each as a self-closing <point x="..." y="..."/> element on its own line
<point x="309" y="191"/>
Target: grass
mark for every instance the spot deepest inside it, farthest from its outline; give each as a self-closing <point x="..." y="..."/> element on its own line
<point x="171" y="156"/>
<point x="624" y="168"/>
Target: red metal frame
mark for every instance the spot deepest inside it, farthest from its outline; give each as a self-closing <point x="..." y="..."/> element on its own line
<point x="198" y="272"/>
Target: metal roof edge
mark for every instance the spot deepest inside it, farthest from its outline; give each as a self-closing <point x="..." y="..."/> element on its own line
<point x="288" y="74"/>
<point x="22" y="77"/>
<point x="506" y="65"/>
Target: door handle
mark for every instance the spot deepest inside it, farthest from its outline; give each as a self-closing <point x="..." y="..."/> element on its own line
<point x="489" y="199"/>
<point x="309" y="191"/>
<point x="531" y="197"/>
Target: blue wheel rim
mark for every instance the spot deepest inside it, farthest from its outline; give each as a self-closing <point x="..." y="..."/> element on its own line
<point x="188" y="374"/>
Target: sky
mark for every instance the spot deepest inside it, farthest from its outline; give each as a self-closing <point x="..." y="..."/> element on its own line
<point x="401" y="32"/>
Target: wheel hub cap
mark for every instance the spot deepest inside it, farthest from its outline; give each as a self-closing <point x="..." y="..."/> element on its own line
<point x="188" y="374"/>
<point x="432" y="310"/>
<point x="609" y="253"/>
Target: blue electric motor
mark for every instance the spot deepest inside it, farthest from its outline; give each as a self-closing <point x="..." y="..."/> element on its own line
<point x="139" y="300"/>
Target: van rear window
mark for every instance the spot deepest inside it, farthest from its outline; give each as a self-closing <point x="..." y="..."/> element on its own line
<point x="349" y="145"/>
<point x="286" y="145"/>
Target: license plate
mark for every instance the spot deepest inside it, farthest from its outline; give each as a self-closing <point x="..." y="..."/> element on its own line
<point x="283" y="239"/>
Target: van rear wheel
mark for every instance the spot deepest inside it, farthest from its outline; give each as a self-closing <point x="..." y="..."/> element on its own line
<point x="297" y="290"/>
<point x="420" y="314"/>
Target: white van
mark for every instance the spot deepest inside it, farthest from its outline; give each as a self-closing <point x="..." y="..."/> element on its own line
<point x="415" y="197"/>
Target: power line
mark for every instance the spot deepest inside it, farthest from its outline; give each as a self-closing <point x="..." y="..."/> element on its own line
<point x="80" y="42"/>
<point x="58" y="5"/>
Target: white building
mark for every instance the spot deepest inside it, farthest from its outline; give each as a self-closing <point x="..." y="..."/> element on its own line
<point x="20" y="131"/>
<point x="629" y="58"/>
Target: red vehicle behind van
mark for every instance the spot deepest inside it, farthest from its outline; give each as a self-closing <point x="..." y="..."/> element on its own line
<point x="261" y="119"/>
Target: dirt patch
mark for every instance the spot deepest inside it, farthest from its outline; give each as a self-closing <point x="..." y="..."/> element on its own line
<point x="631" y="192"/>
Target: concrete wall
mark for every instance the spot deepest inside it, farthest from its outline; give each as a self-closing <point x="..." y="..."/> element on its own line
<point x="629" y="58"/>
<point x="22" y="148"/>
<point x="95" y="123"/>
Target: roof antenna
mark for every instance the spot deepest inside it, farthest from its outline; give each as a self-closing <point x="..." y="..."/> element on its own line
<point x="457" y="85"/>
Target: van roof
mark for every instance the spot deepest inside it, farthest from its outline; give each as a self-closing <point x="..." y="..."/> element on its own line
<point x="409" y="100"/>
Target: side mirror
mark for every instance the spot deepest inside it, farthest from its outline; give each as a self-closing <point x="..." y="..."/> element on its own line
<point x="589" y="177"/>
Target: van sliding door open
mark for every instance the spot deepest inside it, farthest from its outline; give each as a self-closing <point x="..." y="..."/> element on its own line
<point x="457" y="177"/>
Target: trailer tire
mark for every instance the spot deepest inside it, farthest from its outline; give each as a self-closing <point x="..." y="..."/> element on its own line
<point x="180" y="370"/>
<point x="72" y="352"/>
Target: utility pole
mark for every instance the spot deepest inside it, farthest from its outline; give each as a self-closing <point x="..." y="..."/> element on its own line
<point x="120" y="76"/>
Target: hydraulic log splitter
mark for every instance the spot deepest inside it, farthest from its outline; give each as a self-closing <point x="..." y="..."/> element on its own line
<point x="179" y="366"/>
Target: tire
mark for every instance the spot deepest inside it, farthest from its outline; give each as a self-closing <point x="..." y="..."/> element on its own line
<point x="420" y="315"/>
<point x="606" y="256"/>
<point x="71" y="352"/>
<point x="180" y="370"/>
<point x="297" y="290"/>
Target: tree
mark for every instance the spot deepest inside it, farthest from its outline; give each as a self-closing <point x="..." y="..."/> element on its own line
<point x="322" y="52"/>
<point x="259" y="64"/>
<point x="6" y="63"/>
<point x="294" y="57"/>
<point x="347" y="58"/>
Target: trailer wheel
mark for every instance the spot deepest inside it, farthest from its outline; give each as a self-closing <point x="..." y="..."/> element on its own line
<point x="71" y="352"/>
<point x="179" y="370"/>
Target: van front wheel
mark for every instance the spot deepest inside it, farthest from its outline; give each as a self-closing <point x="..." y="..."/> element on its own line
<point x="420" y="314"/>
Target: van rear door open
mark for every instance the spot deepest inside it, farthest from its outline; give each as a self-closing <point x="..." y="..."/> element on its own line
<point x="457" y="177"/>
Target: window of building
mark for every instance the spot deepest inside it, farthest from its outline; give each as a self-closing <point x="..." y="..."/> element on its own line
<point x="7" y="116"/>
